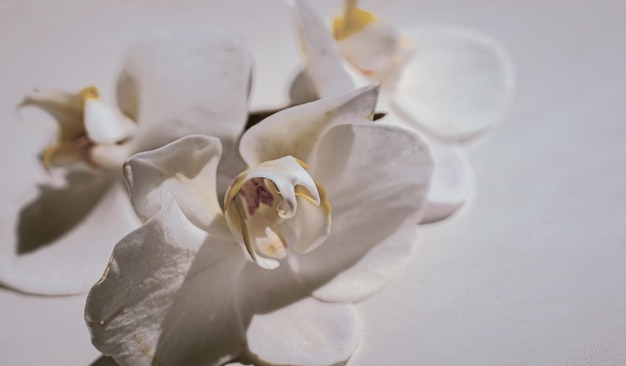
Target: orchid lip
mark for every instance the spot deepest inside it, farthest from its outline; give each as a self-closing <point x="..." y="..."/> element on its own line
<point x="263" y="208"/>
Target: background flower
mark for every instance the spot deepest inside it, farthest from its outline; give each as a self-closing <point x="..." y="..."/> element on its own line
<point x="197" y="299"/>
<point x="173" y="82"/>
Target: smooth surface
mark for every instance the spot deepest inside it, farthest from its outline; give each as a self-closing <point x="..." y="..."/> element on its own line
<point x="531" y="272"/>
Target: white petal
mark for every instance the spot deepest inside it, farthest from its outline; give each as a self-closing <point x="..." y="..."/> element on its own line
<point x="186" y="168"/>
<point x="66" y="108"/>
<point x="452" y="183"/>
<point x="188" y="80"/>
<point x="324" y="61"/>
<point x="59" y="243"/>
<point x="377" y="178"/>
<point x="457" y="84"/>
<point x="105" y="123"/>
<point x="296" y="130"/>
<point x="167" y="296"/>
<point x="373" y="50"/>
<point x="308" y="332"/>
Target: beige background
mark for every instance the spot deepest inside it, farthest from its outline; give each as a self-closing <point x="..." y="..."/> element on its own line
<point x="533" y="272"/>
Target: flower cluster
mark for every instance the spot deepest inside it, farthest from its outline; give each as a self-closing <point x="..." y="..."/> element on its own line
<point x="448" y="84"/>
<point x="253" y="245"/>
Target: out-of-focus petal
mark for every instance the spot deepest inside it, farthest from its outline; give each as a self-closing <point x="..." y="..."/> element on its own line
<point x="175" y="306"/>
<point x="188" y="80"/>
<point x="186" y="168"/>
<point x="370" y="44"/>
<point x="377" y="178"/>
<point x="66" y="108"/>
<point x="295" y="131"/>
<point x="50" y="247"/>
<point x="452" y="183"/>
<point x="456" y="85"/>
<point x="307" y="332"/>
<point x="105" y="124"/>
<point x="324" y="61"/>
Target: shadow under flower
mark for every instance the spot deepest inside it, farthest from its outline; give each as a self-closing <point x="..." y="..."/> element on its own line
<point x="57" y="210"/>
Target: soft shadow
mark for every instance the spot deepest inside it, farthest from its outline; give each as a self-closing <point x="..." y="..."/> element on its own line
<point x="243" y="289"/>
<point x="57" y="210"/>
<point x="104" y="361"/>
<point x="258" y="116"/>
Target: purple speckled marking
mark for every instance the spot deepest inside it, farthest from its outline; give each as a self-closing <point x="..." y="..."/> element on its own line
<point x="255" y="192"/>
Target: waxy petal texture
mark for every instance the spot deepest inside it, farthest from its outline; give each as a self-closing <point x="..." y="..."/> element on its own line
<point x="175" y="307"/>
<point x="457" y="83"/>
<point x="377" y="177"/>
<point x="295" y="131"/>
<point x="187" y="169"/>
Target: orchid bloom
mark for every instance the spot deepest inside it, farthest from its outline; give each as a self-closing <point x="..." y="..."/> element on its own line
<point x="323" y="216"/>
<point x="449" y="84"/>
<point x="173" y="83"/>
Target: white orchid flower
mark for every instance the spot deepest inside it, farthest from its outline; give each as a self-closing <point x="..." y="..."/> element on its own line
<point x="446" y="83"/>
<point x="173" y="83"/>
<point x="323" y="216"/>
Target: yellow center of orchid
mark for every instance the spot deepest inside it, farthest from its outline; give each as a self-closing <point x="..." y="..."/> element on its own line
<point x="353" y="20"/>
<point x="85" y="123"/>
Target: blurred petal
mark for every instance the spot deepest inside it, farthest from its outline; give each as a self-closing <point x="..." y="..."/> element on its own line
<point x="66" y="108"/>
<point x="374" y="50"/>
<point x="105" y="123"/>
<point x="456" y="85"/>
<point x="452" y="182"/>
<point x="377" y="178"/>
<point x="187" y="81"/>
<point x="295" y="131"/>
<point x="186" y="168"/>
<point x="53" y="249"/>
<point x="324" y="61"/>
<point x="308" y="332"/>
<point x="176" y="307"/>
<point x="302" y="90"/>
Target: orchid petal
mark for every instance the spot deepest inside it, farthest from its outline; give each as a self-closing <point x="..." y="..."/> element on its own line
<point x="176" y="308"/>
<point x="452" y="182"/>
<point x="66" y="108"/>
<point x="276" y="206"/>
<point x="308" y="332"/>
<point x="457" y="83"/>
<point x="302" y="90"/>
<point x="324" y="61"/>
<point x="48" y="248"/>
<point x="370" y="44"/>
<point x="186" y="168"/>
<point x="62" y="154"/>
<point x="111" y="157"/>
<point x="377" y="178"/>
<point x="185" y="81"/>
<point x="105" y="124"/>
<point x="295" y="131"/>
